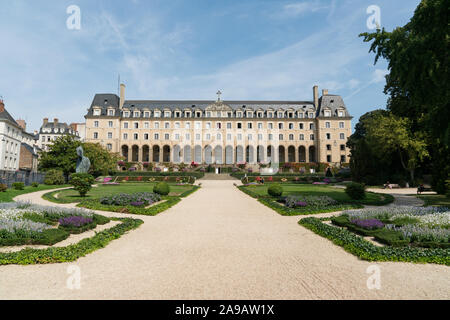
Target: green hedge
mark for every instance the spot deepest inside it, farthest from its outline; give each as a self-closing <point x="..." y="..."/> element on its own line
<point x="152" y="211"/>
<point x="172" y="179"/>
<point x="388" y="237"/>
<point x="195" y="174"/>
<point x="286" y="211"/>
<point x="72" y="252"/>
<point x="189" y="192"/>
<point x="365" y="250"/>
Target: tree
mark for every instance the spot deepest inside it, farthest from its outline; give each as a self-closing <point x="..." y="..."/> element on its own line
<point x="103" y="162"/>
<point x="417" y="84"/>
<point x="62" y="155"/>
<point x="82" y="182"/>
<point x="391" y="134"/>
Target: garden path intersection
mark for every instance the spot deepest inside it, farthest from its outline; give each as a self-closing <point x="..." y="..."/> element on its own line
<point x="219" y="243"/>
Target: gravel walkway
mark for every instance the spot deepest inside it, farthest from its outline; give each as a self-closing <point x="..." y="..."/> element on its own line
<point x="220" y="243"/>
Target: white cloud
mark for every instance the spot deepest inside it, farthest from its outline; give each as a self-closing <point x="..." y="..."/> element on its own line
<point x="379" y="75"/>
<point x="299" y="8"/>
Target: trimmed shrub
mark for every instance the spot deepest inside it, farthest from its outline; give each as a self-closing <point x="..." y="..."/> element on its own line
<point x="82" y="182"/>
<point x="35" y="184"/>
<point x="356" y="191"/>
<point x="275" y="190"/>
<point x="3" y="187"/>
<point x="54" y="177"/>
<point x="18" y="185"/>
<point x="161" y="188"/>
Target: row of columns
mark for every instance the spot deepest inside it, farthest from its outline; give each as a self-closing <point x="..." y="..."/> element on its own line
<point x="218" y="154"/>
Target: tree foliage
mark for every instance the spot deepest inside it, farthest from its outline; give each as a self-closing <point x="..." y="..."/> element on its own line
<point x="62" y="155"/>
<point x="389" y="134"/>
<point x="417" y="56"/>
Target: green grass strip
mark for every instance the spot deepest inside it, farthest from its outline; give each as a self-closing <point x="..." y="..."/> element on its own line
<point x="365" y="250"/>
<point x="72" y="252"/>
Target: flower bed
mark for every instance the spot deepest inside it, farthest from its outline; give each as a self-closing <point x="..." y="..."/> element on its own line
<point x="140" y="199"/>
<point x="22" y="223"/>
<point x="294" y="201"/>
<point x="401" y="226"/>
<point x="365" y="250"/>
<point x="72" y="252"/>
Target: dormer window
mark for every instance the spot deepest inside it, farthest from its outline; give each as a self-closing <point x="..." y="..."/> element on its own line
<point x="136" y="114"/>
<point x="327" y="113"/>
<point x="341" y="113"/>
<point x="126" y="114"/>
<point x="97" y="112"/>
<point x="166" y="114"/>
<point x="111" y="112"/>
<point x="146" y="114"/>
<point x="157" y="114"/>
<point x="249" y="114"/>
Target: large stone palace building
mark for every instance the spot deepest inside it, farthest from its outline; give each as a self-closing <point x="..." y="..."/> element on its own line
<point x="221" y="132"/>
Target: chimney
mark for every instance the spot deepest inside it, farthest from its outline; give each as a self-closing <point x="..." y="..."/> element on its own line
<point x="2" y="106"/>
<point x="45" y="121"/>
<point x="122" y="95"/>
<point x="316" y="96"/>
<point x="22" y="124"/>
<point x="55" y="121"/>
<point x="324" y="92"/>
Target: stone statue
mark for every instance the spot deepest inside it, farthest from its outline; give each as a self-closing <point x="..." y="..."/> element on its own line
<point x="83" y="163"/>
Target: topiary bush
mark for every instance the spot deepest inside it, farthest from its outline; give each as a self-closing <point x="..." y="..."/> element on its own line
<point x="18" y="185"/>
<point x="161" y="188"/>
<point x="82" y="182"/>
<point x="3" y="187"/>
<point x="356" y="191"/>
<point x="275" y="190"/>
<point x="54" y="177"/>
<point x="35" y="184"/>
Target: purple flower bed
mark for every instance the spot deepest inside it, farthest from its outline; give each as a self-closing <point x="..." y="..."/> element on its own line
<point x="74" y="221"/>
<point x="368" y="223"/>
<point x="137" y="203"/>
<point x="301" y="204"/>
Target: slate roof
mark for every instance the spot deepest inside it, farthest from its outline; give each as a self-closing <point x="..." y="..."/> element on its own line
<point x="332" y="102"/>
<point x="107" y="101"/>
<point x="4" y="115"/>
<point x="63" y="128"/>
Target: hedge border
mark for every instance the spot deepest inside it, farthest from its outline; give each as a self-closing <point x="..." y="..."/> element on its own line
<point x="284" y="211"/>
<point x="152" y="211"/>
<point x="367" y="251"/>
<point x="71" y="252"/>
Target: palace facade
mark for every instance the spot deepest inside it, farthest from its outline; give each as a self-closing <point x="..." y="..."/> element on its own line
<point x="221" y="132"/>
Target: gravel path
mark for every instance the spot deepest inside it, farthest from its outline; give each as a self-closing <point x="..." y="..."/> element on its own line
<point x="220" y="243"/>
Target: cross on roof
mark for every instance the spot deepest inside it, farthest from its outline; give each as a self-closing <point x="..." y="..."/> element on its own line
<point x="219" y="93"/>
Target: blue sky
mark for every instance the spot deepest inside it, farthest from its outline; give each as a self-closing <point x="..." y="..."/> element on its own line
<point x="255" y="49"/>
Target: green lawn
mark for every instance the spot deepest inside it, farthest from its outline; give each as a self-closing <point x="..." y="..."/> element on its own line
<point x="344" y="201"/>
<point x="435" y="200"/>
<point x="320" y="190"/>
<point x="11" y="193"/>
<point x="71" y="196"/>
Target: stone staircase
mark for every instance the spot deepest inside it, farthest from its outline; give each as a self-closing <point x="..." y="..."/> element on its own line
<point x="213" y="176"/>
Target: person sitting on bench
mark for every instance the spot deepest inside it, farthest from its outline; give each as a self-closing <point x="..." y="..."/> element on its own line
<point x="420" y="189"/>
<point x="387" y="185"/>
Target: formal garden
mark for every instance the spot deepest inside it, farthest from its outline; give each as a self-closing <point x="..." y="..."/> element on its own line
<point x="292" y="199"/>
<point x="408" y="234"/>
<point x="23" y="225"/>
